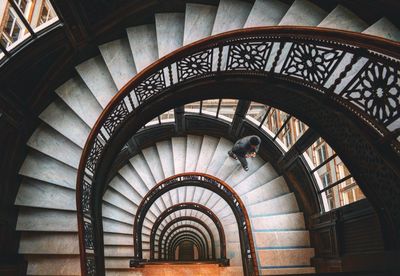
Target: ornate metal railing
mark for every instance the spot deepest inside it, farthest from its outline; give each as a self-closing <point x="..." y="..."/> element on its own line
<point x="357" y="71"/>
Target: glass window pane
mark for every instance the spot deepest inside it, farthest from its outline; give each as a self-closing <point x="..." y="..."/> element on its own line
<point x="256" y="112"/>
<point x="154" y="121"/>
<point x="168" y="116"/>
<point x="210" y="107"/>
<point x="227" y="109"/>
<point x="343" y="194"/>
<point x="192" y="107"/>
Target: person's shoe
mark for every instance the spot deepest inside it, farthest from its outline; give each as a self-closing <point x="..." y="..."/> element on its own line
<point x="246" y="168"/>
<point x="232" y="155"/>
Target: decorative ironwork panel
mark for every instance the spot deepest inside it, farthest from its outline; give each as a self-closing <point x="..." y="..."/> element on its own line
<point x="94" y="155"/>
<point x="90" y="266"/>
<point x="88" y="235"/>
<point x="150" y="86"/>
<point x="311" y="62"/>
<point x="195" y="65"/>
<point x="376" y="89"/>
<point x="248" y="56"/>
<point x="115" y="118"/>
<point x="86" y="197"/>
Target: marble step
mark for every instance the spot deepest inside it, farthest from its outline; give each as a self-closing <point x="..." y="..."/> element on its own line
<point x="193" y="148"/>
<point x="119" y="251"/>
<point x="266" y="13"/>
<point x="179" y="153"/>
<point x="36" y="243"/>
<point x="118" y="239"/>
<point x="281" y="239"/>
<point x="97" y="78"/>
<point x="285" y="257"/>
<point x="143" y="43"/>
<point x="35" y="193"/>
<point x="208" y="147"/>
<point x="219" y="157"/>
<point x="119" y="60"/>
<point x="239" y="175"/>
<point x="112" y="212"/>
<point x="45" y="168"/>
<point x="53" y="265"/>
<point x="303" y="13"/>
<point x="61" y="118"/>
<point x="152" y="158"/>
<point x="78" y="97"/>
<point x="199" y="21"/>
<point x="115" y="198"/>
<point x="287" y="271"/>
<point x="384" y="28"/>
<point x="119" y="184"/>
<point x="36" y="219"/>
<point x="282" y="222"/>
<point x="263" y="175"/>
<point x="283" y="204"/>
<point x="118" y="263"/>
<point x="164" y="149"/>
<point x="129" y="174"/>
<point x="231" y="15"/>
<point x="170" y="29"/>
<point x="115" y="227"/>
<point x="343" y="19"/>
<point x="271" y="189"/>
<point x="50" y="142"/>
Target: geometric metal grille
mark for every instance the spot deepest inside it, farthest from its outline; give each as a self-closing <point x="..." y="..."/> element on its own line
<point x="195" y="65"/>
<point x="88" y="235"/>
<point x="248" y="56"/>
<point x="115" y="118"/>
<point x="151" y="86"/>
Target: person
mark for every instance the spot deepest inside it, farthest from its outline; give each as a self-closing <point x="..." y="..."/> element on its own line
<point x="247" y="147"/>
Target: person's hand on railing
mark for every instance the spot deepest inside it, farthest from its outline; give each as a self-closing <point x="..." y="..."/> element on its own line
<point x="251" y="155"/>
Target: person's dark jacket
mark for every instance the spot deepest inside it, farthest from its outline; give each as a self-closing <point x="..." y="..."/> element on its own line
<point x="242" y="146"/>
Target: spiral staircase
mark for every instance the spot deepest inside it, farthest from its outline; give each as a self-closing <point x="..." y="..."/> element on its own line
<point x="46" y="197"/>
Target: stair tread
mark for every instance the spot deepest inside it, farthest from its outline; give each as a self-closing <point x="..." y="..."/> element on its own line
<point x="169" y="28"/>
<point x="303" y="13"/>
<point x="283" y="204"/>
<point x="36" y="219"/>
<point x="344" y="19"/>
<point x="384" y="28"/>
<point x="231" y="15"/>
<point x="199" y="21"/>
<point x="266" y="13"/>
<point x="48" y="243"/>
<point x="269" y="190"/>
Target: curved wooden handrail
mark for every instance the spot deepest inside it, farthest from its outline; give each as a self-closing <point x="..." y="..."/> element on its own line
<point x="378" y="51"/>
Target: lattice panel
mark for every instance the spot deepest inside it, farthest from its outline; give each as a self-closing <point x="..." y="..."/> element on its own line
<point x="248" y="56"/>
<point x="116" y="117"/>
<point x="195" y="65"/>
<point x="150" y="87"/>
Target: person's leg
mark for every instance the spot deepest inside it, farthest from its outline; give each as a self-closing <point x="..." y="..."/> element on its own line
<point x="232" y="155"/>
<point x="243" y="161"/>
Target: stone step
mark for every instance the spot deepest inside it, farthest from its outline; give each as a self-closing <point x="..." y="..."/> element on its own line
<point x="143" y="43"/>
<point x="207" y="150"/>
<point x="219" y="157"/>
<point x="239" y="175"/>
<point x="199" y="21"/>
<point x="36" y="243"/>
<point x="281" y="239"/>
<point x="119" y="251"/>
<point x="118" y="263"/>
<point x="112" y="226"/>
<point x="36" y="219"/>
<point x="179" y="153"/>
<point x="119" y="60"/>
<point x="283" y="204"/>
<point x="45" y="168"/>
<point x="35" y="193"/>
<point x="226" y="170"/>
<point x="164" y="149"/>
<point x="272" y="189"/>
<point x="139" y="164"/>
<point x="287" y="271"/>
<point x="153" y="161"/>
<point x="282" y="222"/>
<point x="130" y="175"/>
<point x="343" y="19"/>
<point x="53" y="265"/>
<point x="53" y="144"/>
<point x="118" y="200"/>
<point x="231" y="15"/>
<point x="97" y="78"/>
<point x="118" y="239"/>
<point x="303" y="13"/>
<point x="112" y="212"/>
<point x="60" y="117"/>
<point x="119" y="184"/>
<point x="266" y="13"/>
<point x="79" y="98"/>
<point x="384" y="28"/>
<point x="192" y="152"/>
<point x="285" y="257"/>
<point x="169" y="28"/>
<point x="263" y="175"/>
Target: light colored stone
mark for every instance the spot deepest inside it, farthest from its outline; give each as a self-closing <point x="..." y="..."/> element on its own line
<point x="95" y="74"/>
<point x="143" y="43"/>
<point x="124" y="188"/>
<point x="131" y="176"/>
<point x="36" y="193"/>
<point x="42" y="167"/>
<point x="220" y="154"/>
<point x="282" y="239"/>
<point x="303" y="13"/>
<point x="53" y="265"/>
<point x="119" y="60"/>
<point x="343" y="19"/>
<point x="293" y="221"/>
<point x="164" y="149"/>
<point x="118" y="251"/>
<point x="79" y="98"/>
<point x="199" y="21"/>
<point x="231" y="15"/>
<point x="239" y="175"/>
<point x="34" y="219"/>
<point x="51" y="143"/>
<point x="286" y="257"/>
<point x="117" y="239"/>
<point x="287" y="271"/>
<point x="263" y="175"/>
<point x="111" y="226"/>
<point x="49" y="243"/>
<point x="266" y="13"/>
<point x="60" y="117"/>
<point x="169" y="28"/>
<point x="384" y="28"/>
<point x="193" y="148"/>
<point x="179" y="153"/>
<point x="273" y="188"/>
<point x="118" y="200"/>
<point x="283" y="204"/>
<point x="119" y="263"/>
<point x="207" y="150"/>
<point x="226" y="170"/>
<point x="112" y="212"/>
<point x="153" y="161"/>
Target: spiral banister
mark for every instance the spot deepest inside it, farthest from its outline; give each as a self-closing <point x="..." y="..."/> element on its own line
<point x="316" y="58"/>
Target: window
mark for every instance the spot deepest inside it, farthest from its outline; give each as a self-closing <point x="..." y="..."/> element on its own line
<point x="227" y="109"/>
<point x="326" y="179"/>
<point x="45" y="14"/>
<point x="12" y="29"/>
<point x="321" y="154"/>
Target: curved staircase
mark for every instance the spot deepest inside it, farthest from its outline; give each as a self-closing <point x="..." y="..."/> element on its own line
<point x="46" y="197"/>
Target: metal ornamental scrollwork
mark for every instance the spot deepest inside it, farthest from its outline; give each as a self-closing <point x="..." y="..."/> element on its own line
<point x="305" y="56"/>
<point x="376" y="90"/>
<point x="88" y="235"/>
